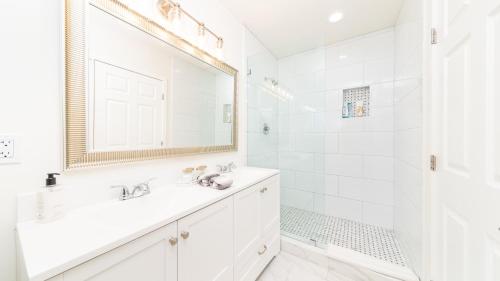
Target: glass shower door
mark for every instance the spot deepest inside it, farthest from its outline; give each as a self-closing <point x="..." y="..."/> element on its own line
<point x="262" y="106"/>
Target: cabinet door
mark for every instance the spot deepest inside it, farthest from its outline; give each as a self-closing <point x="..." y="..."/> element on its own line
<point x="152" y="257"/>
<point x="247" y="233"/>
<point x="206" y="243"/>
<point x="270" y="204"/>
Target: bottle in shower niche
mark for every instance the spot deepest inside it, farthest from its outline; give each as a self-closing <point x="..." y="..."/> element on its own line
<point x="345" y="111"/>
<point x="50" y="201"/>
<point x="360" y="109"/>
<point x="350" y="110"/>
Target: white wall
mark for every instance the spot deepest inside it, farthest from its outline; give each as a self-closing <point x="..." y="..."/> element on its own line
<point x="31" y="100"/>
<point x="408" y="222"/>
<point x="335" y="166"/>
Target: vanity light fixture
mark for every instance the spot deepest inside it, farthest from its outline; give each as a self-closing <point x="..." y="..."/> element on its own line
<point x="336" y="17"/>
<point x="173" y="11"/>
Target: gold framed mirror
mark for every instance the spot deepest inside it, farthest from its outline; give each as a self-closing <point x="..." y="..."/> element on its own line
<point x="136" y="91"/>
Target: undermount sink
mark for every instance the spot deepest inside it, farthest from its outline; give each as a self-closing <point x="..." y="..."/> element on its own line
<point x="136" y="210"/>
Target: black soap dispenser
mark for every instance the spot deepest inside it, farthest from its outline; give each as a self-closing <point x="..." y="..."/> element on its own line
<point x="51" y="180"/>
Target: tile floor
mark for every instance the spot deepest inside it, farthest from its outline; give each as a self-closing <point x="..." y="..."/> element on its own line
<point x="322" y="230"/>
<point x="287" y="267"/>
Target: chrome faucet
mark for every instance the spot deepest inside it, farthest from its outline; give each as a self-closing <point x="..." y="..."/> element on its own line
<point x="139" y="190"/>
<point x="226" y="168"/>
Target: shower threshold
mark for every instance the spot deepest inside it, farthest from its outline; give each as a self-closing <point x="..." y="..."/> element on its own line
<point x="360" y="245"/>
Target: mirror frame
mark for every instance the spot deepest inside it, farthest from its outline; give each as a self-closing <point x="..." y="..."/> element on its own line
<point x="75" y="103"/>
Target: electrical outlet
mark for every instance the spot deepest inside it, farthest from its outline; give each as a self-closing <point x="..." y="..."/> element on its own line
<point x="9" y="148"/>
<point x="6" y="148"/>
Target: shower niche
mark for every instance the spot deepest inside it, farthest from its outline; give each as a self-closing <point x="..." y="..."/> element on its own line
<point x="356" y="102"/>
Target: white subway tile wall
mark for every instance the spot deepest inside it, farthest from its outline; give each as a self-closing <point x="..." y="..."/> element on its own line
<point x="335" y="166"/>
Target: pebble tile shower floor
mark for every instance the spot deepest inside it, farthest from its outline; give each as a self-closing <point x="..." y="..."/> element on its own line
<point x="323" y="230"/>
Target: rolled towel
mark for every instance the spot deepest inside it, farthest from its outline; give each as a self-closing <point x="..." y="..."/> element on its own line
<point x="222" y="182"/>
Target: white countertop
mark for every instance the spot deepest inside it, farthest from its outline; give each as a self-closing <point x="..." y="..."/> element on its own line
<point x="52" y="248"/>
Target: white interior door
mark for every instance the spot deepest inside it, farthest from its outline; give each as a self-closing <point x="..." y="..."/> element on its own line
<point x="466" y="139"/>
<point x="127" y="110"/>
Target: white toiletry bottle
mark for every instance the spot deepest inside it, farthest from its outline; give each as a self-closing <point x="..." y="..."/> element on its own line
<point x="360" y="110"/>
<point x="187" y="176"/>
<point x="50" y="201"/>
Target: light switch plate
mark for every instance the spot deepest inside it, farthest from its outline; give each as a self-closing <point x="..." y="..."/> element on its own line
<point x="8" y="149"/>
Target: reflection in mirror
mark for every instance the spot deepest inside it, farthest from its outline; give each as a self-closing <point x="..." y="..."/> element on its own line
<point x="145" y="94"/>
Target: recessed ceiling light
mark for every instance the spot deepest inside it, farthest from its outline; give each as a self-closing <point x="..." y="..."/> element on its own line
<point x="336" y="17"/>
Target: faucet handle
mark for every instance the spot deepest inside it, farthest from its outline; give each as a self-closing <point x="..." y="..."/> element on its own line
<point x="125" y="192"/>
<point x="231" y="166"/>
<point x="220" y="168"/>
<point x="144" y="186"/>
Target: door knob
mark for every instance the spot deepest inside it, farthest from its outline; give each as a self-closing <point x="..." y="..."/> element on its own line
<point x="173" y="241"/>
<point x="263" y="190"/>
<point x="185" y="235"/>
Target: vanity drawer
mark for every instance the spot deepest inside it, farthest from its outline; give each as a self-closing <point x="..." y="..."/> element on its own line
<point x="271" y="243"/>
<point x="258" y="255"/>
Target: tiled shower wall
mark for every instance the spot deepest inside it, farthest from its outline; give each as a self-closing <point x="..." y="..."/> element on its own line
<point x="408" y="221"/>
<point x="335" y="166"/>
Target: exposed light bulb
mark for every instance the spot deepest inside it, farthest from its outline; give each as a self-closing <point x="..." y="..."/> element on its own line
<point x="336" y="17"/>
<point x="219" y="53"/>
<point x="202" y="38"/>
<point x="176" y="18"/>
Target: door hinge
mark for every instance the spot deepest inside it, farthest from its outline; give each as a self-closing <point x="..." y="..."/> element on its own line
<point x="162" y="96"/>
<point x="433" y="162"/>
<point x="434" y="36"/>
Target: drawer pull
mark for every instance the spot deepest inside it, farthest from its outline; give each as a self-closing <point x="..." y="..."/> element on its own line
<point x="261" y="252"/>
<point x="185" y="235"/>
<point x="173" y="241"/>
<point x="263" y="190"/>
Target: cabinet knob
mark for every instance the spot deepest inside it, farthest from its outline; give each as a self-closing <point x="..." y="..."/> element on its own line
<point x="173" y="241"/>
<point x="263" y="190"/>
<point x="185" y="235"/>
<point x="261" y="252"/>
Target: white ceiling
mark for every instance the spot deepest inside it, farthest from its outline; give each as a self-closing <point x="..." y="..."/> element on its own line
<point x="287" y="27"/>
